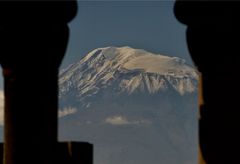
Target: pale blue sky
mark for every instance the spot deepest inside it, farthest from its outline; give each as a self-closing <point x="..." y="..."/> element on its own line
<point x="138" y="24"/>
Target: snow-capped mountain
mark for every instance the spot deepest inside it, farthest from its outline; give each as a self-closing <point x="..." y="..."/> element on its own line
<point x="135" y="106"/>
<point x="127" y="70"/>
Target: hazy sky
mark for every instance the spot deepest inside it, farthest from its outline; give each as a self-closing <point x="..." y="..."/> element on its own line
<point x="138" y="24"/>
<point x="146" y="25"/>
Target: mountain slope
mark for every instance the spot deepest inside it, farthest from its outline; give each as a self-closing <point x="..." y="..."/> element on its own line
<point x="135" y="106"/>
<point x="132" y="69"/>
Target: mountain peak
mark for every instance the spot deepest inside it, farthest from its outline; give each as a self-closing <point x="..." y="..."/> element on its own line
<point x="139" y="59"/>
<point x="128" y="69"/>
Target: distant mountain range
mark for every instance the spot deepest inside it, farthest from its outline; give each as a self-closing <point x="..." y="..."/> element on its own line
<point x="136" y="107"/>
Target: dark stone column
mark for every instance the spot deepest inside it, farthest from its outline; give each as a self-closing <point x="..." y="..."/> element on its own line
<point x="33" y="41"/>
<point x="212" y="36"/>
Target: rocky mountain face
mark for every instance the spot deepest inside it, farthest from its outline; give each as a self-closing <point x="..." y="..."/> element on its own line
<point x="136" y="107"/>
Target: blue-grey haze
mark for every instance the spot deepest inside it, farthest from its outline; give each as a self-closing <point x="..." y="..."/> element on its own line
<point x="147" y="25"/>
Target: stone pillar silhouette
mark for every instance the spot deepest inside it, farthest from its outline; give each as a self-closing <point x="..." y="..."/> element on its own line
<point x="212" y="37"/>
<point x="34" y="36"/>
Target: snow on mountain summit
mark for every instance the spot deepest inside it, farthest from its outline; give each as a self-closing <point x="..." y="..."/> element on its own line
<point x="133" y="59"/>
<point x="126" y="69"/>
